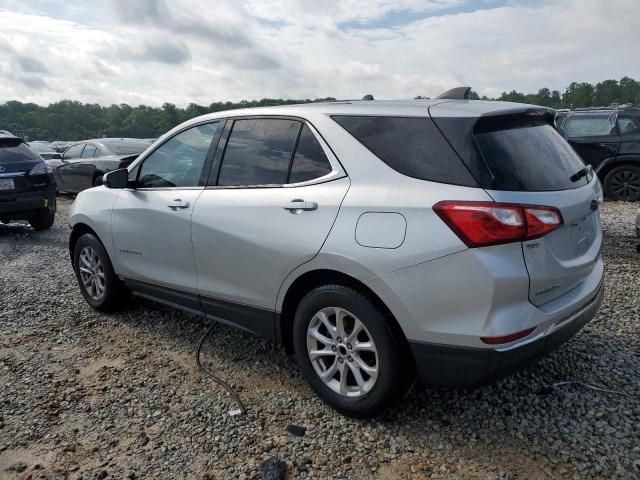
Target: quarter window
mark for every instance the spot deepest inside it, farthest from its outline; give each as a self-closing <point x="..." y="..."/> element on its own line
<point x="179" y="161"/>
<point x="259" y="152"/>
<point x="309" y="161"/>
<point x="412" y="146"/>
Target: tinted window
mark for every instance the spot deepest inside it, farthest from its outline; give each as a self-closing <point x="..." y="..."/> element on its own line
<point x="629" y="126"/>
<point x="74" y="152"/>
<point x="589" y="125"/>
<point x="529" y="158"/>
<point x="127" y="147"/>
<point x="411" y="146"/>
<point x="10" y="152"/>
<point x="179" y="161"/>
<point x="259" y="152"/>
<point x="89" y="151"/>
<point x="309" y="161"/>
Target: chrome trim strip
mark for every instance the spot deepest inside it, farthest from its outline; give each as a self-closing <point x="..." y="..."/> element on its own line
<point x="12" y="175"/>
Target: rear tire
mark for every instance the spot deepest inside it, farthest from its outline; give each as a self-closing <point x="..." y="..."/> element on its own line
<point x="623" y="183"/>
<point x="376" y="372"/>
<point x="44" y="218"/>
<point x="99" y="284"/>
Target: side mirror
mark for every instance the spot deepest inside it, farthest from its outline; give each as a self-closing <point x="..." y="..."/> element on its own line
<point x="116" y="178"/>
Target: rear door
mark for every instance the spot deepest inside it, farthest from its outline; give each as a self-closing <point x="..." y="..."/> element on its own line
<point x="269" y="208"/>
<point x="593" y="135"/>
<point x="65" y="174"/>
<point x="532" y="164"/>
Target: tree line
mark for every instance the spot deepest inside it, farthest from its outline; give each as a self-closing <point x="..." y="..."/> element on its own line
<point x="72" y="120"/>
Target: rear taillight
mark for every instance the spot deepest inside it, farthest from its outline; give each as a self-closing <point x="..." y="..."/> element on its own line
<point x="480" y="224"/>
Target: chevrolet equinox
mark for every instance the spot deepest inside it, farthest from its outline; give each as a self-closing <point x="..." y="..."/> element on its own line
<point x="376" y="240"/>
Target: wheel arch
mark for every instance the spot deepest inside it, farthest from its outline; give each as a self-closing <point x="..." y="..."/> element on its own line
<point x="608" y="166"/>
<point x="316" y="278"/>
<point x="77" y="231"/>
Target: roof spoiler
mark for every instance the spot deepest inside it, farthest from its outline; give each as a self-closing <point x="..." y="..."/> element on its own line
<point x="458" y="93"/>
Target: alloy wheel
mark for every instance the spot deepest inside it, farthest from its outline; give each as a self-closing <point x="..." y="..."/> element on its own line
<point x="92" y="273"/>
<point x="625" y="184"/>
<point x="342" y="352"/>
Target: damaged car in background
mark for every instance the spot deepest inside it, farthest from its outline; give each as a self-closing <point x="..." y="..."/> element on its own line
<point x="84" y="163"/>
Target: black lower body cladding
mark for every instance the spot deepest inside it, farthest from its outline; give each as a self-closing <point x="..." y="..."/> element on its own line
<point x="465" y="367"/>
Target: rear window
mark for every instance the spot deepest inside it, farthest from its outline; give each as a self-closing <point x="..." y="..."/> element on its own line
<point x="412" y="146"/>
<point x="10" y="153"/>
<point x="529" y="157"/>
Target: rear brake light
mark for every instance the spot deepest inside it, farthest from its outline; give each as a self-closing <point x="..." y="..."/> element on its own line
<point x="480" y="224"/>
<point x="507" y="338"/>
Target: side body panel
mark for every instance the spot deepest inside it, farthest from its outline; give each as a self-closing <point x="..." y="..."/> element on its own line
<point x="152" y="240"/>
<point x="246" y="241"/>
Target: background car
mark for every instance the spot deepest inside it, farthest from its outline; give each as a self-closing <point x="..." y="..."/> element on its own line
<point x="45" y="150"/>
<point x="27" y="189"/>
<point x="608" y="139"/>
<point x="84" y="163"/>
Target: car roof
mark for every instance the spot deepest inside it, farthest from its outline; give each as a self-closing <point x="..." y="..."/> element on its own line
<point x="418" y="108"/>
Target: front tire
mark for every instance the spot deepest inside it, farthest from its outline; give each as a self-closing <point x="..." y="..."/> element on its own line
<point x="623" y="183"/>
<point x="99" y="284"/>
<point x="348" y="351"/>
<point x="44" y="218"/>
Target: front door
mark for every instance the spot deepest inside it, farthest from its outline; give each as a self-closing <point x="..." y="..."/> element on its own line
<point x="270" y="211"/>
<point x="152" y="223"/>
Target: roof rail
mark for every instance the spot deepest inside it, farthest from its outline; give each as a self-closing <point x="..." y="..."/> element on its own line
<point x="613" y="106"/>
<point x="458" y="93"/>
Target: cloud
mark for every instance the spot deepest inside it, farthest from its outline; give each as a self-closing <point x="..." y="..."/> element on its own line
<point x="184" y="51"/>
<point x="31" y="64"/>
<point x="155" y="50"/>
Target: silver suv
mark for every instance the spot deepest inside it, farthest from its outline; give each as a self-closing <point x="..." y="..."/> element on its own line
<point x="374" y="239"/>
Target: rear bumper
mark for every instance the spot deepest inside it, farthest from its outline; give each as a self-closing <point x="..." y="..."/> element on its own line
<point x="19" y="205"/>
<point x="455" y="366"/>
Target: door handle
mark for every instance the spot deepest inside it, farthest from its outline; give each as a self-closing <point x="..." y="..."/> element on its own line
<point x="178" y="204"/>
<point x="298" y="205"/>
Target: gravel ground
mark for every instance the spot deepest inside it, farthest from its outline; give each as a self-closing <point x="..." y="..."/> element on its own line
<point x="93" y="396"/>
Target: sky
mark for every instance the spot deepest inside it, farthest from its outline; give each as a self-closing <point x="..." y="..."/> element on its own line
<point x="181" y="51"/>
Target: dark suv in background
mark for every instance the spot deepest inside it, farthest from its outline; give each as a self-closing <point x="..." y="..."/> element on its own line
<point x="608" y="139"/>
<point x="27" y="189"/>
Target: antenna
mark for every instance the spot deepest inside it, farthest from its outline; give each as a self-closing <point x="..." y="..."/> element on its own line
<point x="458" y="93"/>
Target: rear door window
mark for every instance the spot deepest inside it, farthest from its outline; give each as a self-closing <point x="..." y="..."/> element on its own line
<point x="89" y="151"/>
<point x="309" y="161"/>
<point x="528" y="157"/>
<point x="258" y="152"/>
<point x="74" y="152"/>
<point x="589" y="125"/>
<point x="412" y="146"/>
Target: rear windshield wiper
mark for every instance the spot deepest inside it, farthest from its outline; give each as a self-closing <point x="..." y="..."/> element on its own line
<point x="583" y="172"/>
